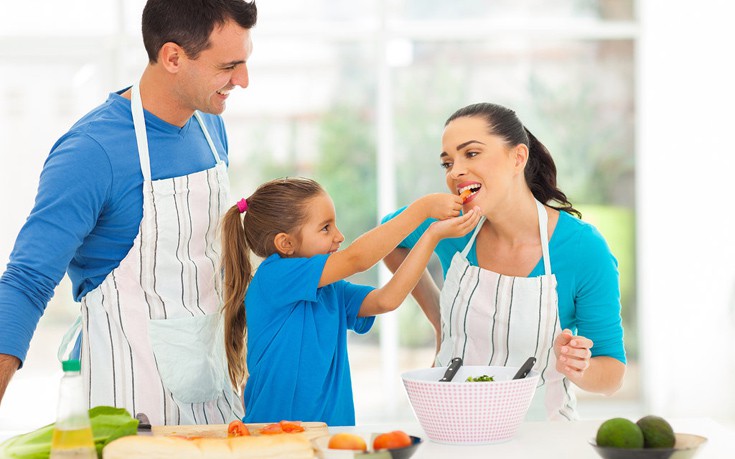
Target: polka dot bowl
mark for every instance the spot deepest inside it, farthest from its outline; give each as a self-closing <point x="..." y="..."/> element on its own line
<point x="462" y="412"/>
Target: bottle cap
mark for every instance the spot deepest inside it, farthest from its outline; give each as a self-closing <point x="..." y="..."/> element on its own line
<point x="71" y="365"/>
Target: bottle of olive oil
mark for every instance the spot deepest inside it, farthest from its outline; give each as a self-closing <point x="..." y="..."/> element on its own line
<point x="72" y="435"/>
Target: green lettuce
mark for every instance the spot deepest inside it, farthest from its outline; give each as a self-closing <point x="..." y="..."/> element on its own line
<point x="108" y="423"/>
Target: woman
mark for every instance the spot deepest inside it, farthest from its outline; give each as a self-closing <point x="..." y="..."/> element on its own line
<point x="529" y="276"/>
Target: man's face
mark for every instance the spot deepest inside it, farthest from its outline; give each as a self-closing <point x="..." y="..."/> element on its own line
<point x="205" y="82"/>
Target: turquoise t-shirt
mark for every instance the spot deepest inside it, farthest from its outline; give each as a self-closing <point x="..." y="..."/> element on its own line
<point x="297" y="343"/>
<point x="588" y="284"/>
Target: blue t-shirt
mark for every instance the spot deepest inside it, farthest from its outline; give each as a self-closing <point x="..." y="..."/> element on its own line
<point x="297" y="343"/>
<point x="89" y="206"/>
<point x="587" y="278"/>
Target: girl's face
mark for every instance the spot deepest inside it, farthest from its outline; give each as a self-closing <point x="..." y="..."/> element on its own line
<point x="319" y="234"/>
<point x="481" y="162"/>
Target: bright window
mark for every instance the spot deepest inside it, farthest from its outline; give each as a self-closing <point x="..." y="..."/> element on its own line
<point x="354" y="94"/>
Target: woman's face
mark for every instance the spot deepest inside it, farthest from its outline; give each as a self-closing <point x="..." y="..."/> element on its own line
<point x="481" y="162"/>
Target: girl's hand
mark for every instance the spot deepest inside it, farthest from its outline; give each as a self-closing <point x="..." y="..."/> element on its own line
<point x="457" y="226"/>
<point x="440" y="205"/>
<point x="572" y="354"/>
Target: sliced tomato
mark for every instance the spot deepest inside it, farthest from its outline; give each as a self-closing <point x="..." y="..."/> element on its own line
<point x="186" y="437"/>
<point x="291" y="426"/>
<point x="237" y="429"/>
<point x="271" y="429"/>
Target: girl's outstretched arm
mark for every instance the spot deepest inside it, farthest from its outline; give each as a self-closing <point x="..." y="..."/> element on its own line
<point x="392" y="294"/>
<point x="372" y="246"/>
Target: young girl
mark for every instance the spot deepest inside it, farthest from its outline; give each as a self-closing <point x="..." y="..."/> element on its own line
<point x="297" y="304"/>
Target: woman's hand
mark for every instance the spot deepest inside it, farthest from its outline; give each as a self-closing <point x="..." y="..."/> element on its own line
<point x="601" y="374"/>
<point x="440" y="205"/>
<point x="572" y="354"/>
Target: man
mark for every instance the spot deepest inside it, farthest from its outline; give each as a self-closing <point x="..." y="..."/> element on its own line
<point x="128" y="204"/>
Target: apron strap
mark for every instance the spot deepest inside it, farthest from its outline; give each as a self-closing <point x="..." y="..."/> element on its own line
<point x="543" y="227"/>
<point x="543" y="224"/>
<point x="69" y="336"/>
<point x="209" y="138"/>
<point x="467" y="248"/>
<point x="136" y="107"/>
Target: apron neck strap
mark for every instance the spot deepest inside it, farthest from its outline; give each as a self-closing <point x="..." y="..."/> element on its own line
<point x="467" y="248"/>
<point x="141" y="137"/>
<point x="543" y="226"/>
<point x="198" y="116"/>
<point x="136" y="107"/>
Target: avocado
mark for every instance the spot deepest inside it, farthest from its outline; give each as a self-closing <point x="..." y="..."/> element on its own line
<point x="657" y="432"/>
<point x="620" y="433"/>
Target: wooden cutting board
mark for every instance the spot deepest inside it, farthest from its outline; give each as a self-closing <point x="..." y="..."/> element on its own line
<point x="312" y="430"/>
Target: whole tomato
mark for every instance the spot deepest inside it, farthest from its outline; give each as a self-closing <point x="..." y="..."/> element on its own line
<point x="237" y="429"/>
<point x="392" y="440"/>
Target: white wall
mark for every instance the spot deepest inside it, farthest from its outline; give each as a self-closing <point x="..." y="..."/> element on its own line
<point x="686" y="215"/>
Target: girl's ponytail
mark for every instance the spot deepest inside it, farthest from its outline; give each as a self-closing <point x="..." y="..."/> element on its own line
<point x="238" y="272"/>
<point x="540" y="176"/>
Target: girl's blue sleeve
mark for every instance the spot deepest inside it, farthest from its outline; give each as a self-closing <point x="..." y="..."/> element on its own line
<point x="352" y="297"/>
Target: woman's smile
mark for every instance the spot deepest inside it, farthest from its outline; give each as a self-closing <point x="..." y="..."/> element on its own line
<point x="472" y="187"/>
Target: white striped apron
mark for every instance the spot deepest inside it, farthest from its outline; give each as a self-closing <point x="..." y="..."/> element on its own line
<point x="152" y="332"/>
<point x="492" y="319"/>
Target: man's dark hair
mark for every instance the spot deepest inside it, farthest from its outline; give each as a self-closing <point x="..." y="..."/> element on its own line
<point x="189" y="23"/>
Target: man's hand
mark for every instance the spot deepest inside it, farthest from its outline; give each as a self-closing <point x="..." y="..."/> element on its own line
<point x="8" y="365"/>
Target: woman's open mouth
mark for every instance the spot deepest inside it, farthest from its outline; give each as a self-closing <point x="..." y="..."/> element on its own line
<point x="468" y="192"/>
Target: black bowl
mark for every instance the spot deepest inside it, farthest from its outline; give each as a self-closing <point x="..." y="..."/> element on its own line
<point x="686" y="447"/>
<point x="397" y="453"/>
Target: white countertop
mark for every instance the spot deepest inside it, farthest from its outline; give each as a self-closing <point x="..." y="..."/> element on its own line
<point x="566" y="440"/>
<point x="558" y="439"/>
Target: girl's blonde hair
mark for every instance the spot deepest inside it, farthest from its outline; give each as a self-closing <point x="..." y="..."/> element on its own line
<point x="278" y="206"/>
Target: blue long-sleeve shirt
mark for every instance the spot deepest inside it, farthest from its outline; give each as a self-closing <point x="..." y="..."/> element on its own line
<point x="89" y="206"/>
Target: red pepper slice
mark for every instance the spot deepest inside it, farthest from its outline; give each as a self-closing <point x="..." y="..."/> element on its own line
<point x="237" y="429"/>
<point x="271" y="429"/>
<point x="291" y="426"/>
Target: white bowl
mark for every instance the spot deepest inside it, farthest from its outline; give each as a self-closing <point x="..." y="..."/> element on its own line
<point x="460" y="412"/>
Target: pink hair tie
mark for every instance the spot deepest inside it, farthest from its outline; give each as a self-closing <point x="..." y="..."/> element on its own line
<point x="242" y="205"/>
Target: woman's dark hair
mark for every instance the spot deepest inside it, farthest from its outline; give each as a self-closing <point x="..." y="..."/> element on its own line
<point x="540" y="172"/>
<point x="278" y="206"/>
<point x="189" y="23"/>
